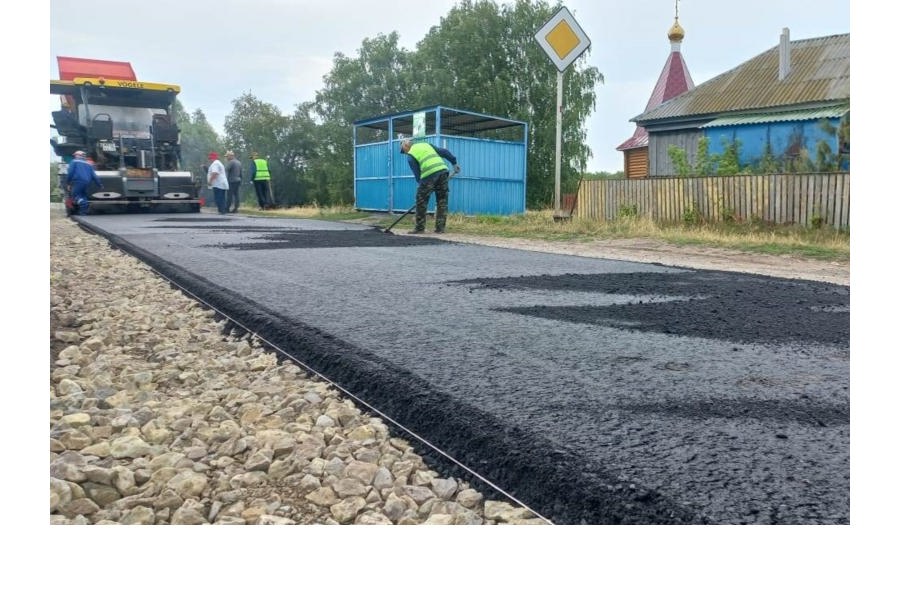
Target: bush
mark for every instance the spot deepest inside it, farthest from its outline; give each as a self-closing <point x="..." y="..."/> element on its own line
<point x="728" y="215"/>
<point x="627" y="211"/>
<point x="817" y="221"/>
<point x="691" y="215"/>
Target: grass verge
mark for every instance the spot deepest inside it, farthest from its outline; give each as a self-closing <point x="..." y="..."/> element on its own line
<point x="762" y="238"/>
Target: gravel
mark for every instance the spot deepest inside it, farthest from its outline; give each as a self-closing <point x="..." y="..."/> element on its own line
<point x="161" y="413"/>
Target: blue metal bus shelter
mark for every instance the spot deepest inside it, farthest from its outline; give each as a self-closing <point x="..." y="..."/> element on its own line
<point x="491" y="152"/>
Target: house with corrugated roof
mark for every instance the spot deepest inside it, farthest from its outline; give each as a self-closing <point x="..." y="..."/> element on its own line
<point x="790" y="105"/>
<point x="675" y="79"/>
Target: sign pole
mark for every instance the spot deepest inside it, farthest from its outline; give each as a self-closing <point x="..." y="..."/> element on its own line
<point x="559" y="110"/>
<point x="564" y="41"/>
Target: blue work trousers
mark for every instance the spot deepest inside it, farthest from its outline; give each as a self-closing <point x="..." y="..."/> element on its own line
<point x="79" y="195"/>
<point x="221" y="203"/>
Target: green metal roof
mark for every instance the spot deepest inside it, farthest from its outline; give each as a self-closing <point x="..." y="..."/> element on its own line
<point x="820" y="73"/>
<point x="812" y="114"/>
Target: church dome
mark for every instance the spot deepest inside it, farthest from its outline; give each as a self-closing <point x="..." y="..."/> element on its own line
<point x="676" y="33"/>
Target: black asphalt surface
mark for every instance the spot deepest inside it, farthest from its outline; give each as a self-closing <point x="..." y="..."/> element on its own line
<point x="596" y="391"/>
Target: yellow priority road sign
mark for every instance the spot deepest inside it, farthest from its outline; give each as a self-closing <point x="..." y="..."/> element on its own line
<point x="562" y="39"/>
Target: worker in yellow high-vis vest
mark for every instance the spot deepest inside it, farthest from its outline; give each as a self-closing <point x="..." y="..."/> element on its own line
<point x="260" y="176"/>
<point x="431" y="173"/>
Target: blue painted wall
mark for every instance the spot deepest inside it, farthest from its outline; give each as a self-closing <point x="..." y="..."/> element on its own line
<point x="492" y="180"/>
<point x="784" y="138"/>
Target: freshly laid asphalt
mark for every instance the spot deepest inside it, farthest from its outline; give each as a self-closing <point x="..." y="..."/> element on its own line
<point x="595" y="391"/>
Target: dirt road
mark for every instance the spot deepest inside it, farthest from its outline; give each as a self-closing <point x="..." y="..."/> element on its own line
<point x="653" y="251"/>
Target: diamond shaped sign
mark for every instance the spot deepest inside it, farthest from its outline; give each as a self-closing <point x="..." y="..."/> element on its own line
<point x="562" y="39"/>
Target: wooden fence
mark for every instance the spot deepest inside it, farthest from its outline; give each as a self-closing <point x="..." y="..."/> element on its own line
<point x="810" y="199"/>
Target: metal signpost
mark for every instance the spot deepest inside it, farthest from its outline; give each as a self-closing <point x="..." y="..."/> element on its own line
<point x="564" y="41"/>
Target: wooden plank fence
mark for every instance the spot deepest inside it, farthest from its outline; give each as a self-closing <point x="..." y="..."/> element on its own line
<point x="809" y="199"/>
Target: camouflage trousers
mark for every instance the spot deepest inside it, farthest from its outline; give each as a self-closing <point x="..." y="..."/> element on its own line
<point x="438" y="184"/>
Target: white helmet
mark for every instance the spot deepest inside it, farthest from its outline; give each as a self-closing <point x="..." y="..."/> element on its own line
<point x="80" y="154"/>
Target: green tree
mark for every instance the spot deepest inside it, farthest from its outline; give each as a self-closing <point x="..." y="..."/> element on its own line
<point x="680" y="162"/>
<point x="463" y="62"/>
<point x="706" y="163"/>
<point x="377" y="81"/>
<point x="827" y="157"/>
<point x="257" y="126"/>
<point x="729" y="163"/>
<point x="826" y="160"/>
<point x="197" y="138"/>
<point x="768" y="163"/>
<point x="483" y="57"/>
<point x="592" y="176"/>
<point x="331" y="164"/>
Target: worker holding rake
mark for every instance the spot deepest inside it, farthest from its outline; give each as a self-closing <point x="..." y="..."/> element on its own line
<point x="431" y="173"/>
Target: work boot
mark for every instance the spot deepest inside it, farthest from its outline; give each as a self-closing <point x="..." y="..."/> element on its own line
<point x="417" y="231"/>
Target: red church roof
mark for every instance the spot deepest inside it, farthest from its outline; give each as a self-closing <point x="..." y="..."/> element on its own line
<point x="674" y="80"/>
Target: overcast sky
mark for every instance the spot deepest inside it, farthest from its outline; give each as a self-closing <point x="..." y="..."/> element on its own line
<point x="280" y="49"/>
